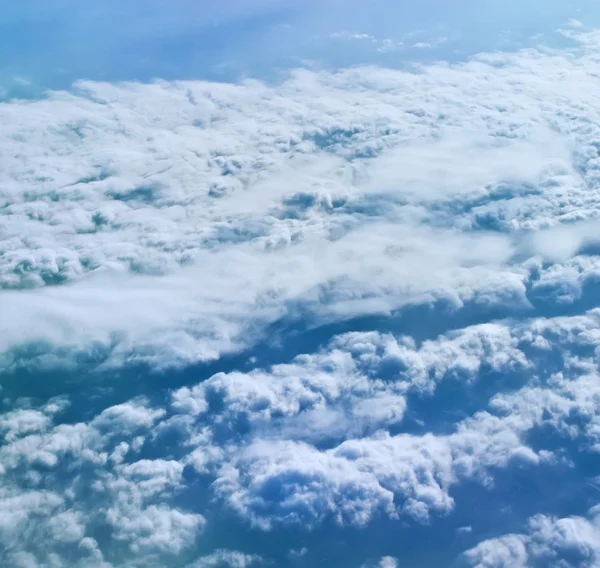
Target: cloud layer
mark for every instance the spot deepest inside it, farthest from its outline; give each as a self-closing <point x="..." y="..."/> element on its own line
<point x="239" y="317"/>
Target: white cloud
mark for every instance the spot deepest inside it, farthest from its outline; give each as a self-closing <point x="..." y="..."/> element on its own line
<point x="507" y="551"/>
<point x="155" y="528"/>
<point x="388" y="562"/>
<point x="343" y="395"/>
<point x="58" y="486"/>
<point x="549" y="541"/>
<point x="126" y="418"/>
<point x="286" y="482"/>
<point x="19" y="422"/>
<point x="66" y="527"/>
<point x="112" y="179"/>
<point x="350" y="36"/>
<point x="173" y="222"/>
<point x="17" y="510"/>
<point x="276" y="470"/>
<point x="384" y="562"/>
<point x="388" y="45"/>
<point x="227" y="559"/>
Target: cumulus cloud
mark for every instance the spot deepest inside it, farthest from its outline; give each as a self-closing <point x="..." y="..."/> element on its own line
<point x="571" y="541"/>
<point x="422" y="247"/>
<point x="74" y="490"/>
<point x="385" y="562"/>
<point x="357" y="190"/>
<point x="321" y="401"/>
<point x="301" y="444"/>
<point x="227" y="559"/>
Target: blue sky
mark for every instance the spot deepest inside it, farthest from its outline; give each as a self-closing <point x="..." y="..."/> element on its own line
<point x="305" y="284"/>
<point x="52" y="44"/>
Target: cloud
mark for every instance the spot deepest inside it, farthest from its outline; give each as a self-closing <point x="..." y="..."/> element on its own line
<point x="230" y="191"/>
<point x="227" y="559"/>
<point x="317" y="427"/>
<point x="74" y="489"/>
<point x="506" y="551"/>
<point x="353" y="483"/>
<point x="271" y="453"/>
<point x="400" y="268"/>
<point x="567" y="541"/>
<point x="382" y="45"/>
<point x="345" y="399"/>
<point x="385" y="562"/>
<point x="350" y="36"/>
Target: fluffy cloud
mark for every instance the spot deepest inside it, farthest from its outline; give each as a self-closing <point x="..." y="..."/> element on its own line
<point x="346" y="194"/>
<point x="227" y="559"/>
<point x="301" y="468"/>
<point x="59" y="489"/>
<point x="385" y="562"/>
<point x="418" y="250"/>
<point x="320" y="439"/>
<point x="569" y="541"/>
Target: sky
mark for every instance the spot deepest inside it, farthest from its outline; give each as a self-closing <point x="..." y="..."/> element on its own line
<point x="52" y="44"/>
<point x="305" y="284"/>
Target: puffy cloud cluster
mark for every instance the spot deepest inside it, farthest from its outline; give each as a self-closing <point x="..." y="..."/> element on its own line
<point x="326" y="438"/>
<point x="338" y="195"/>
<point x="227" y="559"/>
<point x="415" y="250"/>
<point x="64" y="485"/>
<point x="326" y="434"/>
<point x="572" y="541"/>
